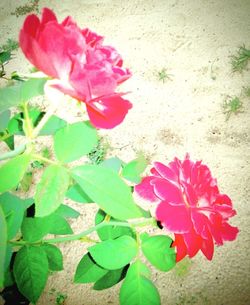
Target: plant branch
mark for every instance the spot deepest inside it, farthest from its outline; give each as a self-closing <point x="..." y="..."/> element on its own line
<point x="27" y="126"/>
<point x="43" y="159"/>
<point x="43" y="121"/>
<point x="80" y="236"/>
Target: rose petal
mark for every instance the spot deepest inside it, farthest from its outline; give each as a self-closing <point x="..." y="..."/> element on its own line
<point x="47" y="16"/>
<point x="193" y="243"/>
<point x="166" y="172"/>
<point x="187" y="166"/>
<point x="181" y="249"/>
<point x="228" y="232"/>
<point x="146" y="190"/>
<point x="190" y="194"/>
<point x="108" y="112"/>
<point x="207" y="248"/>
<point x="175" y="218"/>
<point x="167" y="191"/>
<point x="199" y="221"/>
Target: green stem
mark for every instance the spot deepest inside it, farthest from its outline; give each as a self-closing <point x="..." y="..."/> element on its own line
<point x="43" y="159"/>
<point x="79" y="236"/>
<point x="44" y="120"/>
<point x="86" y="232"/>
<point x="13" y="153"/>
<point x="28" y="126"/>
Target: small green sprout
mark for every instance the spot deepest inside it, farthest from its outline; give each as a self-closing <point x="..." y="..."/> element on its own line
<point x="163" y="75"/>
<point x="60" y="298"/>
<point x="240" y="60"/>
<point x="232" y="105"/>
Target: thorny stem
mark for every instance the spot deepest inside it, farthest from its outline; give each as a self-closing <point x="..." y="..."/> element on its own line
<point x="80" y="236"/>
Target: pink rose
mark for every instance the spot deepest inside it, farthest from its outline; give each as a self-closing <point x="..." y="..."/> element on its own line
<point x="190" y="206"/>
<point x="83" y="67"/>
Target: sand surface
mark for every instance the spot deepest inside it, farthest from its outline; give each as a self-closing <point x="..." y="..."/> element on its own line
<point x="192" y="40"/>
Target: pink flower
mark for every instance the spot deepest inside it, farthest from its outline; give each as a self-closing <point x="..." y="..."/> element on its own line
<point x="190" y="206"/>
<point x="83" y="67"/>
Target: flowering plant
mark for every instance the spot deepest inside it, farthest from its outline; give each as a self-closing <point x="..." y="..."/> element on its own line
<point x="74" y="62"/>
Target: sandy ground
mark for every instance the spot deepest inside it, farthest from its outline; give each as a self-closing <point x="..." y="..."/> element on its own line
<point x="193" y="41"/>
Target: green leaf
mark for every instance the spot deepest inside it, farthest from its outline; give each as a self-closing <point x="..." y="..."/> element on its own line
<point x="3" y="244"/>
<point x="4" y="57"/>
<point x="13" y="95"/>
<point x="114" y="254"/>
<point x="8" y="278"/>
<point x="59" y="225"/>
<point x="134" y="169"/>
<point x="31" y="88"/>
<point x="110" y="279"/>
<point x="10" y="142"/>
<point x="8" y="275"/>
<point x="107" y="189"/>
<point x="9" y="97"/>
<point x="74" y="141"/>
<point x="4" y="119"/>
<point x="113" y="163"/>
<point x="53" y="124"/>
<point x="76" y="194"/>
<point x="13" y="208"/>
<point x="13" y="171"/>
<point x="15" y="126"/>
<point x="51" y="190"/>
<point x="157" y="249"/>
<point x="111" y="232"/>
<point x="26" y="182"/>
<point x="66" y="211"/>
<point x="35" y="115"/>
<point x="88" y="271"/>
<point x="54" y="256"/>
<point x="137" y="289"/>
<point x="34" y="229"/>
<point x="8" y="255"/>
<point x="31" y="271"/>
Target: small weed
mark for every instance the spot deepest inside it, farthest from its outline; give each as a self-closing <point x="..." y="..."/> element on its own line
<point x="98" y="154"/>
<point x="5" y="54"/>
<point x="232" y="105"/>
<point x="10" y="45"/>
<point x="60" y="298"/>
<point x="240" y="60"/>
<point x="163" y="75"/>
<point x="29" y="7"/>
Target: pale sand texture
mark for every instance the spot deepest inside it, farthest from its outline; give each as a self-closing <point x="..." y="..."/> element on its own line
<point x="169" y="119"/>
